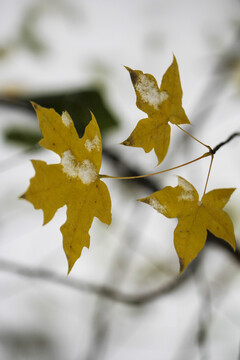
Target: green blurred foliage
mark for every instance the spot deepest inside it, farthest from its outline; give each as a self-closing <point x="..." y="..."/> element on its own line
<point x="78" y="103"/>
<point x="22" y="135"/>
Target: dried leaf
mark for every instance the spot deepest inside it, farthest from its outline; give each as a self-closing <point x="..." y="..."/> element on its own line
<point x="194" y="217"/>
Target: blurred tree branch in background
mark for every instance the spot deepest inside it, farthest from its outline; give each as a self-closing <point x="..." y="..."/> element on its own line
<point x="111" y="293"/>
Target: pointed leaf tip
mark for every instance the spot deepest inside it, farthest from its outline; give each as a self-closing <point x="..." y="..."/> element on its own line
<point x="34" y="105"/>
<point x="133" y="74"/>
<point x="126" y="143"/>
<point x="70" y="266"/>
<point x="174" y="58"/>
<point x="182" y="266"/>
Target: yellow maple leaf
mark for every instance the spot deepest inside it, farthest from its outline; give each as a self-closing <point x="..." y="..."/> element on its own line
<point x="194" y="217"/>
<point x="163" y="105"/>
<point x="73" y="182"/>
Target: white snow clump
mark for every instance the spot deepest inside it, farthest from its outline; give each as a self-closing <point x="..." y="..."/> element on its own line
<point x="85" y="171"/>
<point x="94" y="144"/>
<point x="157" y="206"/>
<point x="187" y="193"/>
<point x="149" y="92"/>
<point x="66" y="119"/>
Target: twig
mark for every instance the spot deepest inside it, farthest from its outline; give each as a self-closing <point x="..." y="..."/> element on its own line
<point x="193" y="137"/>
<point x="217" y="147"/>
<point x="209" y="170"/>
<point x="155" y="173"/>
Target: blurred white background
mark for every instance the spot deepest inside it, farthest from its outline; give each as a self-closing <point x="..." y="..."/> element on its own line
<point x="58" y="46"/>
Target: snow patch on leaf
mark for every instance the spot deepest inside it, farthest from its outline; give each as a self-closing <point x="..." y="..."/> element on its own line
<point x="66" y="119"/>
<point x="188" y="192"/>
<point x="68" y="163"/>
<point x="157" y="206"/>
<point x="149" y="92"/>
<point x="187" y="187"/>
<point x="85" y="171"/>
<point x="187" y="196"/>
<point x="94" y="144"/>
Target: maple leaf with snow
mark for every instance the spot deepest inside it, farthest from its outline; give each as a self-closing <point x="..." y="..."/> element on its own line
<point x="73" y="182"/>
<point x="194" y="217"/>
<point x="163" y="105"/>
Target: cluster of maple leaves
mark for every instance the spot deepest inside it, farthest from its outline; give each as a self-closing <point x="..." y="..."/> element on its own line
<point x="76" y="182"/>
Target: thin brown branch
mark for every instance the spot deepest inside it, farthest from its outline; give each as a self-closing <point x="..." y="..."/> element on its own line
<point x="217" y="147"/>
<point x="155" y="173"/>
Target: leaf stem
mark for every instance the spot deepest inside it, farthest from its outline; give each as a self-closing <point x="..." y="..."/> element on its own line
<point x="156" y="173"/>
<point x="200" y="142"/>
<point x="209" y="170"/>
